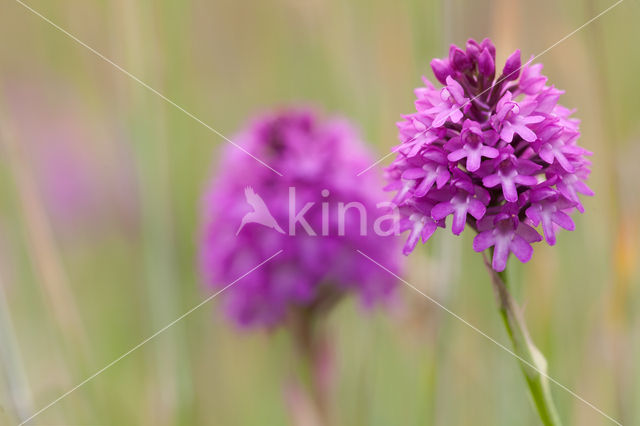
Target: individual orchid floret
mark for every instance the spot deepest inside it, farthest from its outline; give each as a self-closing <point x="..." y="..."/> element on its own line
<point x="434" y="171"/>
<point x="473" y="144"/>
<point x="451" y="105"/>
<point x="512" y="67"/>
<point x="548" y="208"/>
<point x="514" y="118"/>
<point x="507" y="236"/>
<point x="420" y="223"/>
<point x="509" y="174"/>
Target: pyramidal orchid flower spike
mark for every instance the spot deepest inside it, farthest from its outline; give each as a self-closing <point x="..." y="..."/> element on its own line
<point x="497" y="154"/>
<point x="319" y="264"/>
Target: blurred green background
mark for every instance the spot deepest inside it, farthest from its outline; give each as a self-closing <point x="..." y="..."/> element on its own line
<point x="86" y="273"/>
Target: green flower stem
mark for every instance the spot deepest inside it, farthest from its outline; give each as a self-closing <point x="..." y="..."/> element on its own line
<point x="532" y="362"/>
<point x="308" y="393"/>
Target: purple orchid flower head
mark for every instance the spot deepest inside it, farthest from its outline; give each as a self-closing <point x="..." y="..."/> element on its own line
<point x="319" y="159"/>
<point x="498" y="155"/>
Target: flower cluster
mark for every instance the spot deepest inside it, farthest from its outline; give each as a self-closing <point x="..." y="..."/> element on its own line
<point x="319" y="159"/>
<point x="499" y="155"/>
